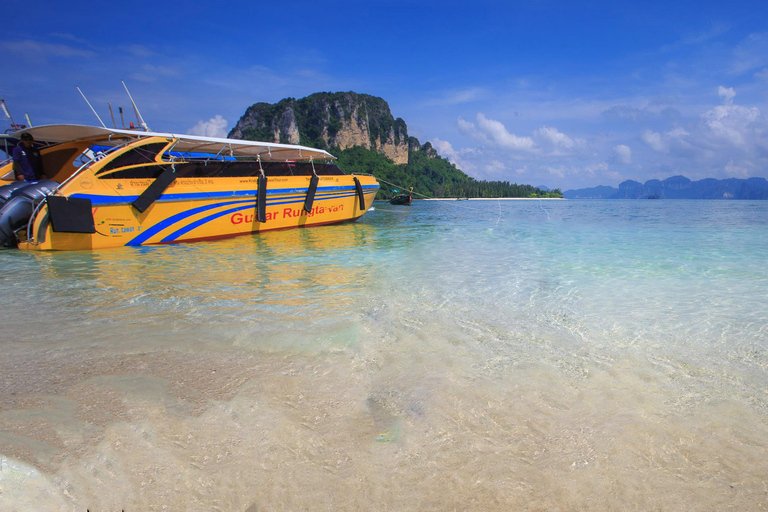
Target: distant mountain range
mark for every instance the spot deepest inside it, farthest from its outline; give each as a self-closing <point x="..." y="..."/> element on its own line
<point x="678" y="187"/>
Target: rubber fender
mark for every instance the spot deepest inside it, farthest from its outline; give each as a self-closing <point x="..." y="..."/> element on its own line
<point x="17" y="210"/>
<point x="154" y="191"/>
<point x="261" y="200"/>
<point x="310" y="199"/>
<point x="360" y="194"/>
<point x="14" y="214"/>
<point x="7" y="190"/>
<point x="36" y="191"/>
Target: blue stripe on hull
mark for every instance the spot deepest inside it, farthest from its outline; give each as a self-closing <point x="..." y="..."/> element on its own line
<point x="322" y="193"/>
<point x="249" y="203"/>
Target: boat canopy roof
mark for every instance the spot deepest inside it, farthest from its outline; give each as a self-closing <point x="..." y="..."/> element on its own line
<point x="267" y="151"/>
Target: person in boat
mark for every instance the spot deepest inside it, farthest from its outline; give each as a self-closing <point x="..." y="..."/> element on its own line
<point x="27" y="162"/>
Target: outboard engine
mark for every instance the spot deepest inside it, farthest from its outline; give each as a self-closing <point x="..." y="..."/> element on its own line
<point x="17" y="209"/>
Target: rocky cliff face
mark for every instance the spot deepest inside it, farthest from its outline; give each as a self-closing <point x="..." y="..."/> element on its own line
<point x="328" y="121"/>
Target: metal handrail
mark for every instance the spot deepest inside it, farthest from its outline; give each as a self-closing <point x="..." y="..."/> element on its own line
<point x="36" y="210"/>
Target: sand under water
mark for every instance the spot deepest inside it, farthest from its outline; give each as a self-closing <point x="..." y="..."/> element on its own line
<point x="483" y="356"/>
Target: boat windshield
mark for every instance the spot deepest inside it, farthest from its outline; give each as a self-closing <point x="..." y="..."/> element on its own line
<point x="225" y="169"/>
<point x="141" y="161"/>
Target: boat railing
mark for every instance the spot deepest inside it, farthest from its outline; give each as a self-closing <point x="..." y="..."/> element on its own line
<point x="38" y="206"/>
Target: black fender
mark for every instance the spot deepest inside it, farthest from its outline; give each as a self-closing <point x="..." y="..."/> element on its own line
<point x="16" y="211"/>
<point x="7" y="190"/>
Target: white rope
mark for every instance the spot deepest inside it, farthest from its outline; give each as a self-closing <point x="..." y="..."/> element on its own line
<point x="446" y="200"/>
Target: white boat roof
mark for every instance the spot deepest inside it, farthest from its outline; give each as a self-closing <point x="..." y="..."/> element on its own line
<point x="267" y="151"/>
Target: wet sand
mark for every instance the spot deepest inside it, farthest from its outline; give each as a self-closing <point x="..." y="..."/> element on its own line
<point x="565" y="356"/>
<point x="357" y="431"/>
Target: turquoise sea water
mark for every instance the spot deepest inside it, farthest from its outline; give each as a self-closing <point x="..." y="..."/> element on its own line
<point x="473" y="355"/>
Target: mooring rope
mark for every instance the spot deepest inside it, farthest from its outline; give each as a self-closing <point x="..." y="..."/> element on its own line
<point x="446" y="200"/>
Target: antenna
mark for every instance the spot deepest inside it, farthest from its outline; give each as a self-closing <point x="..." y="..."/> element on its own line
<point x="5" y="110"/>
<point x="112" y="114"/>
<point x="135" y="108"/>
<point x="122" y="119"/>
<point x="29" y="123"/>
<point x="92" y="110"/>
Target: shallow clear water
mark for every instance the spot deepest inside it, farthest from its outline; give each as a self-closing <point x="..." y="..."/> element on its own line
<point x="467" y="355"/>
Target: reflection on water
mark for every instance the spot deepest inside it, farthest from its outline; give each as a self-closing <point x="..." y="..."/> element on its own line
<point x="487" y="355"/>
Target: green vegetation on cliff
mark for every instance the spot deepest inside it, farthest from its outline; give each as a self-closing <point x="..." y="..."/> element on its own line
<point x="430" y="176"/>
<point x="319" y="118"/>
<point x="360" y="130"/>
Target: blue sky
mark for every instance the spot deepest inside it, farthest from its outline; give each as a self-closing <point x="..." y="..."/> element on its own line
<point x="538" y="92"/>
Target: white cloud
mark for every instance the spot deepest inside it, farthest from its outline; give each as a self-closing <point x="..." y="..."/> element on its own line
<point x="623" y="153"/>
<point x="736" y="171"/>
<point x="557" y="172"/>
<point x="730" y="123"/>
<point x="751" y="53"/>
<point x="495" y="166"/>
<point x="466" y="127"/>
<point x="444" y="148"/>
<point x="458" y="158"/>
<point x="497" y="133"/>
<point x="678" y="133"/>
<point x="150" y="73"/>
<point x="599" y="168"/>
<point x="494" y="133"/>
<point x="676" y="139"/>
<point x="554" y="137"/>
<point x="214" y="127"/>
<point x="654" y="140"/>
<point x="459" y="97"/>
<point x="727" y="94"/>
<point x="42" y="51"/>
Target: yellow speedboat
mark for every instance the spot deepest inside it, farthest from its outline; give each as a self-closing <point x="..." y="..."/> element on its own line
<point x="110" y="188"/>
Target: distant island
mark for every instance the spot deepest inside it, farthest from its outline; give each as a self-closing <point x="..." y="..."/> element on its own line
<point x="678" y="187"/>
<point x="360" y="130"/>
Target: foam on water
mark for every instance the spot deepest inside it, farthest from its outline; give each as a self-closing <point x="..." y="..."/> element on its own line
<point x="487" y="355"/>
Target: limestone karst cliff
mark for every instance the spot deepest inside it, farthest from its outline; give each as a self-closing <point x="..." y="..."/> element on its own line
<point x="328" y="121"/>
<point x="361" y="132"/>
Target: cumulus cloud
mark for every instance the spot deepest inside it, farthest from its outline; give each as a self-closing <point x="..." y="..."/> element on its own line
<point x="727" y="94"/>
<point x="623" y="153"/>
<point x="677" y="139"/>
<point x="494" y="133"/>
<point x="557" y="172"/>
<point x="654" y="140"/>
<point x="444" y="148"/>
<point x="730" y="123"/>
<point x="495" y="166"/>
<point x="547" y="140"/>
<point x="214" y="127"/>
<point x="456" y="157"/>
<point x="555" y="138"/>
<point x="725" y="139"/>
<point x="599" y="168"/>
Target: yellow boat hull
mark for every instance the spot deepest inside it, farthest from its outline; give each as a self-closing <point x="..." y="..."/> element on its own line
<point x="145" y="188"/>
<point x="190" y="210"/>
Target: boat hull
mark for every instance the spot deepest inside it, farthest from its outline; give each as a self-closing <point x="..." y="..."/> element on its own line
<point x="192" y="210"/>
<point x="401" y="200"/>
